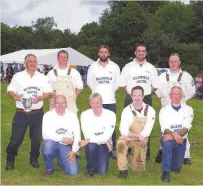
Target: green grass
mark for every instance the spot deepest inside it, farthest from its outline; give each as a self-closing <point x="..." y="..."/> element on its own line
<point x="24" y="174"/>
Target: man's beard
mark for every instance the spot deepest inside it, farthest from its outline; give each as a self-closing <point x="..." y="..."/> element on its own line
<point x="103" y="59"/>
<point x="140" y="58"/>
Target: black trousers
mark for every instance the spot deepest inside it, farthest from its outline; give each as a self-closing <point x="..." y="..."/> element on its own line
<point x="112" y="107"/>
<point x="19" y="126"/>
<point x="147" y="100"/>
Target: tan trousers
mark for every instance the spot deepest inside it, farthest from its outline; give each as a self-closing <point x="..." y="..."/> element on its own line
<point x="136" y="161"/>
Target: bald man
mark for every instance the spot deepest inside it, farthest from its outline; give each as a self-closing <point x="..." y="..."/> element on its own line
<point x="61" y="134"/>
<point x="175" y="77"/>
<point x="175" y="121"/>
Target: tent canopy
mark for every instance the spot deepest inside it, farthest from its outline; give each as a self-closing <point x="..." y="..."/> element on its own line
<point x="47" y="57"/>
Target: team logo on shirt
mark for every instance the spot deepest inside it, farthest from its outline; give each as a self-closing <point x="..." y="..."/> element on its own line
<point x="104" y="80"/>
<point x="141" y="79"/>
<point x="31" y="91"/>
<point x="176" y="128"/>
<point x="61" y="131"/>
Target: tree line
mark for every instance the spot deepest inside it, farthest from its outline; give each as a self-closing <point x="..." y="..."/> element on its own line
<point x="164" y="27"/>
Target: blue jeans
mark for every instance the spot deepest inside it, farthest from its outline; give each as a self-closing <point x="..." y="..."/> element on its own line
<point x="112" y="107"/>
<point x="50" y="149"/>
<point x="172" y="155"/>
<point x="97" y="157"/>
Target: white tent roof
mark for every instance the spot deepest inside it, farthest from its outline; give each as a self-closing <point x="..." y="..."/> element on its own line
<point x="47" y="57"/>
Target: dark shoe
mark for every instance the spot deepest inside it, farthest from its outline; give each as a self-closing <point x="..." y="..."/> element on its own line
<point x="34" y="163"/>
<point x="187" y="161"/>
<point x="148" y="159"/>
<point x="165" y="177"/>
<point x="89" y="173"/>
<point x="123" y="174"/>
<point x="9" y="165"/>
<point x="113" y="154"/>
<point x="158" y="158"/>
<point x="130" y="152"/>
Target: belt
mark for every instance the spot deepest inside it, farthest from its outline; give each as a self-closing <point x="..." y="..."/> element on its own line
<point x="30" y="112"/>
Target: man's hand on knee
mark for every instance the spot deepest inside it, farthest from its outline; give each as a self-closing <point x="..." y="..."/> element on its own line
<point x="71" y="157"/>
<point x="109" y="145"/>
<point x="67" y="141"/>
<point x="178" y="138"/>
<point x="83" y="143"/>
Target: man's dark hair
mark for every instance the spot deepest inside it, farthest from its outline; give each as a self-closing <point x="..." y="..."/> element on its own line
<point x="28" y="55"/>
<point x="103" y="46"/>
<point x="140" y="46"/>
<point x="62" y="51"/>
<point x="137" y="88"/>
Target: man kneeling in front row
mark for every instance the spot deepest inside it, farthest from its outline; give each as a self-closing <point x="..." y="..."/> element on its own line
<point x="61" y="134"/>
<point x="175" y="121"/>
<point x="97" y="126"/>
<point x="137" y="121"/>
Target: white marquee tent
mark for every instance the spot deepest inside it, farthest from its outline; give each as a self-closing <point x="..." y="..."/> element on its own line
<point x="47" y="57"/>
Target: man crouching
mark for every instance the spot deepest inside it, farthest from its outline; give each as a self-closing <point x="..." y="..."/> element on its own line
<point x="61" y="134"/>
<point x="97" y="126"/>
<point x="137" y="121"/>
<point x="175" y="121"/>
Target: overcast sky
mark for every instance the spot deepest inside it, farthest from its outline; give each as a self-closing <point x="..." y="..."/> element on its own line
<point x="72" y="14"/>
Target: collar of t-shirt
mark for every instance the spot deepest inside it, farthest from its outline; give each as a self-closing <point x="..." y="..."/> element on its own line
<point x="176" y="108"/>
<point x="59" y="70"/>
<point x="27" y="74"/>
<point x="108" y="63"/>
<point x="140" y="65"/>
<point x="140" y="110"/>
<point x="174" y="73"/>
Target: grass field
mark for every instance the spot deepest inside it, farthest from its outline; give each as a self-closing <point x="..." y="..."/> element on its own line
<point x="24" y="174"/>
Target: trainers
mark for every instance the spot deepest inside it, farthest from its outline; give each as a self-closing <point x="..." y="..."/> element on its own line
<point x="123" y="174"/>
<point x="158" y="158"/>
<point x="34" y="163"/>
<point x="187" y="161"/>
<point x="9" y="165"/>
<point x="165" y="177"/>
<point x="113" y="154"/>
<point x="89" y="173"/>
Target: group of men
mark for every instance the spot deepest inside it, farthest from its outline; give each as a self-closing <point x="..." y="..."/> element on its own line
<point x="60" y="126"/>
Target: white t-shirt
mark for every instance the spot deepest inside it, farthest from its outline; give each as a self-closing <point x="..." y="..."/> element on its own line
<point x="186" y="83"/>
<point x="26" y="86"/>
<point x="134" y="74"/>
<point x="56" y="127"/>
<point x="104" y="80"/>
<point x="174" y="120"/>
<point x="74" y="74"/>
<point x="98" y="129"/>
<point x="127" y="119"/>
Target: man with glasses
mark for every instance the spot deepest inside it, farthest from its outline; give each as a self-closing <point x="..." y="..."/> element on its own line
<point x="175" y="77"/>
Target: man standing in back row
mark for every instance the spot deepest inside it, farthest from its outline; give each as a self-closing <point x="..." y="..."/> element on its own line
<point x="139" y="72"/>
<point x="65" y="81"/>
<point x="175" y="77"/>
<point x="103" y="78"/>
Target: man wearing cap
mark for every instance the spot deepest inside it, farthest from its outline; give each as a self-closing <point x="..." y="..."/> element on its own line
<point x="97" y="126"/>
<point x="61" y="134"/>
<point x="139" y="72"/>
<point x="175" y="76"/>
<point x="103" y="78"/>
<point x="175" y="121"/>
<point x="65" y="81"/>
<point x="137" y="121"/>
<point x="28" y="84"/>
